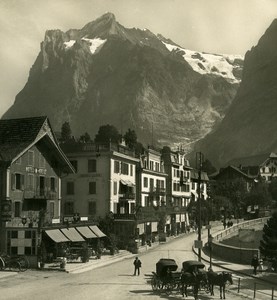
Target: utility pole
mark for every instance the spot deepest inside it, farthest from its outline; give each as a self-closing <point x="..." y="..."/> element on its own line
<point x="199" y="161"/>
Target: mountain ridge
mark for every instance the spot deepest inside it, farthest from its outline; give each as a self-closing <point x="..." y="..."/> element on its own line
<point x="105" y="73"/>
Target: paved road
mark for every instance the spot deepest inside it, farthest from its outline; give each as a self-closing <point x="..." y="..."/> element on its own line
<point x="115" y="281"/>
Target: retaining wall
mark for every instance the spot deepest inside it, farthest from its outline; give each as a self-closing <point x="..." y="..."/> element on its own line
<point x="236" y="254"/>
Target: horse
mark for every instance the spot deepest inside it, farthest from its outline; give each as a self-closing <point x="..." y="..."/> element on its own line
<point x="220" y="279"/>
<point x="193" y="280"/>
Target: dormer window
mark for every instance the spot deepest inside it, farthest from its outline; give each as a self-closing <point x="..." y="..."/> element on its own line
<point x="31" y="158"/>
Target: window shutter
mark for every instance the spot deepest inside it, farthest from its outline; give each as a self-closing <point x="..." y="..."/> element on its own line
<point x="22" y="177"/>
<point x="13" y="181"/>
<point x="56" y="185"/>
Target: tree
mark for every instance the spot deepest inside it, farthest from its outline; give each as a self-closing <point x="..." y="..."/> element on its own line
<point x="273" y="189"/>
<point x="107" y="133"/>
<point x="208" y="167"/>
<point x="130" y="138"/>
<point x="66" y="132"/>
<point x="268" y="244"/>
<point x="85" y="138"/>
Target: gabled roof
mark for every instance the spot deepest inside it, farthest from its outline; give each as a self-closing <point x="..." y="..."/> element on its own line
<point x="223" y="170"/>
<point x="255" y="160"/>
<point x="19" y="135"/>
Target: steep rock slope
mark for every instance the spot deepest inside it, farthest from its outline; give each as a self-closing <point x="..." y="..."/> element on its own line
<point x="250" y="126"/>
<point x="131" y="78"/>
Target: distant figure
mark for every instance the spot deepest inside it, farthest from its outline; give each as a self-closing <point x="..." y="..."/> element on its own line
<point x="254" y="264"/>
<point x="261" y="264"/>
<point x="137" y="264"/>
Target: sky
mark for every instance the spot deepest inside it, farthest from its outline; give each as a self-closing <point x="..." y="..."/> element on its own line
<point x="214" y="26"/>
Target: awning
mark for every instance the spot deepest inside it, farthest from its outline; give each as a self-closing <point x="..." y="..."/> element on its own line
<point x="72" y="234"/>
<point x="127" y="182"/>
<point x="154" y="226"/>
<point x="56" y="235"/>
<point x="141" y="228"/>
<point x="97" y="231"/>
<point x="86" y="232"/>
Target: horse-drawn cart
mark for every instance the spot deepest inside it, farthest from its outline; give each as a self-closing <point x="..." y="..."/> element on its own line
<point x="166" y="278"/>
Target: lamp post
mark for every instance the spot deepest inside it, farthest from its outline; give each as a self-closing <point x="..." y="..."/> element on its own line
<point x="210" y="241"/>
<point x="199" y="161"/>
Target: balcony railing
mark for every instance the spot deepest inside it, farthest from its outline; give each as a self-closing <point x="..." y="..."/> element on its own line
<point x="127" y="196"/>
<point x="158" y="191"/>
<point x="40" y="194"/>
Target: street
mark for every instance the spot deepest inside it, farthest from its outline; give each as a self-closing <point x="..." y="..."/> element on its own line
<point x="115" y="281"/>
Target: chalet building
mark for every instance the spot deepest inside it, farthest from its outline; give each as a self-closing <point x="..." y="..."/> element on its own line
<point x="31" y="167"/>
<point x="178" y="192"/>
<point x="151" y="193"/>
<point x="263" y="166"/>
<point x="233" y="174"/>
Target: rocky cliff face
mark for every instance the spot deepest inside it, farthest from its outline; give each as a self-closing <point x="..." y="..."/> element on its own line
<point x="250" y="126"/>
<point x="105" y="73"/>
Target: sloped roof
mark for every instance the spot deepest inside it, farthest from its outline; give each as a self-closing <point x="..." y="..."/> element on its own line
<point x="255" y="160"/>
<point x="17" y="134"/>
<point x="222" y="170"/>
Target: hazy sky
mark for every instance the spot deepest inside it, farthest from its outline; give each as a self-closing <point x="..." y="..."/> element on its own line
<point x="217" y="26"/>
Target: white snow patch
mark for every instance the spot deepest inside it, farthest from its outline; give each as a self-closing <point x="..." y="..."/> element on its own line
<point x="94" y="43"/>
<point x="205" y="63"/>
<point x="69" y="44"/>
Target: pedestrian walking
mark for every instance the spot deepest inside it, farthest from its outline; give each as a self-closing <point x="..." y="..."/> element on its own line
<point x="137" y="264"/>
<point x="254" y="264"/>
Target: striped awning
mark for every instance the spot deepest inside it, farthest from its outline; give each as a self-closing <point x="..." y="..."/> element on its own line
<point x="72" y="234"/>
<point x="86" y="232"/>
<point x="56" y="235"/>
<point x="97" y="231"/>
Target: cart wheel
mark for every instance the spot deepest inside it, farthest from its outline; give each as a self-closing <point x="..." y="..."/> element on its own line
<point x="15" y="266"/>
<point x="24" y="263"/>
<point x="154" y="284"/>
<point x="168" y="288"/>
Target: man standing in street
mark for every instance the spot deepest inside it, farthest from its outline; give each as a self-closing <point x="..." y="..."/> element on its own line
<point x="255" y="263"/>
<point x="137" y="264"/>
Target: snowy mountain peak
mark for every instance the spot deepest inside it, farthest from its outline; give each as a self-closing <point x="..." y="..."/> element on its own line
<point x="227" y="66"/>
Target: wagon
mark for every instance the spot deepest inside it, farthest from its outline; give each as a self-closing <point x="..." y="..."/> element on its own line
<point x="197" y="269"/>
<point x="165" y="278"/>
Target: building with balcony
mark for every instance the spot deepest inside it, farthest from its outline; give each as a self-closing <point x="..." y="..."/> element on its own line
<point x="151" y="192"/>
<point x="104" y="180"/>
<point x="204" y="179"/>
<point x="31" y="167"/>
<point x="178" y="189"/>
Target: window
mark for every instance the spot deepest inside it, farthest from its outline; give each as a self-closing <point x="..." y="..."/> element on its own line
<point x="53" y="184"/>
<point x="31" y="158"/>
<point x="131" y="170"/>
<point x="70" y="188"/>
<point x="52" y="209"/>
<point x="92" y="208"/>
<point x="151" y="183"/>
<point x="92" y="187"/>
<point x="74" y="164"/>
<point x="69" y="208"/>
<point x="115" y="188"/>
<point x="116" y="167"/>
<point x="151" y="165"/>
<point x="91" y="165"/>
<point x="124" y="168"/>
<point x="147" y="201"/>
<point x="17" y="210"/>
<point x="18" y="181"/>
<point x="145" y="182"/>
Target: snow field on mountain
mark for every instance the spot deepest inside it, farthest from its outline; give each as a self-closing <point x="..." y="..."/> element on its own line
<point x="93" y="44"/>
<point x="204" y="63"/>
